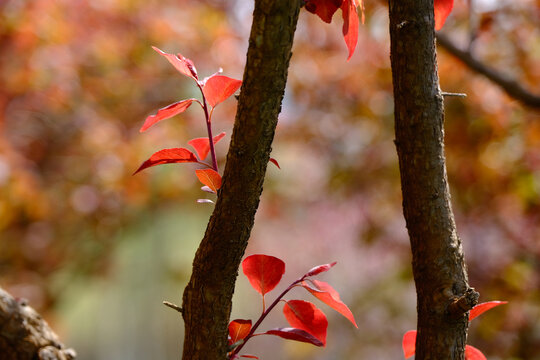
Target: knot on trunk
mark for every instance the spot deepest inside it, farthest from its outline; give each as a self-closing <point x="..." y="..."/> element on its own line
<point x="460" y="305"/>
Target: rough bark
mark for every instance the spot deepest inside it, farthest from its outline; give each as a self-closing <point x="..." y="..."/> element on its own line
<point x="443" y="292"/>
<point x="207" y="297"/>
<point x="24" y="335"/>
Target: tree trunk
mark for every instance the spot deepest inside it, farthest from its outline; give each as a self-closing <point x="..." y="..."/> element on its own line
<point x="443" y="292"/>
<point x="207" y="297"/>
<point x="24" y="335"/>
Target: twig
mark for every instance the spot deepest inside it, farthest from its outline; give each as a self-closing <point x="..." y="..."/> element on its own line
<point x="208" y="116"/>
<point x="444" y="93"/>
<point x="263" y="316"/>
<point x="509" y="85"/>
<point x="173" y="306"/>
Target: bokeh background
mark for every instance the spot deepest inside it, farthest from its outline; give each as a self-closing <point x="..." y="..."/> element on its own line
<point x="97" y="250"/>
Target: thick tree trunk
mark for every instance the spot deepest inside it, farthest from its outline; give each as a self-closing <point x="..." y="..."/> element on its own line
<point x="443" y="292"/>
<point x="207" y="297"/>
<point x="24" y="335"/>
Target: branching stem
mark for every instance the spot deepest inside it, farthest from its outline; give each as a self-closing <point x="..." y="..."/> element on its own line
<point x="208" y="118"/>
<point x="263" y="316"/>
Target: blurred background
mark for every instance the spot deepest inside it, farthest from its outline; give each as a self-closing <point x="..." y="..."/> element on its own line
<point x="96" y="250"/>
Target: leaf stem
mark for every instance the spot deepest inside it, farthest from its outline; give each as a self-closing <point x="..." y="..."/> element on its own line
<point x="209" y="129"/>
<point x="263" y="315"/>
<point x="205" y="164"/>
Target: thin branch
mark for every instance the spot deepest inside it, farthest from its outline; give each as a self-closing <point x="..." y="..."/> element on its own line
<point x="173" y="306"/>
<point x="208" y="116"/>
<point x="444" y="93"/>
<point x="508" y="84"/>
<point x="264" y="314"/>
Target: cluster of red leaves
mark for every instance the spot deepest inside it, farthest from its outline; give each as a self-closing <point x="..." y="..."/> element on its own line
<point x="217" y="88"/>
<point x="326" y="9"/>
<point x="471" y="353"/>
<point x="214" y="89"/>
<point x="308" y="323"/>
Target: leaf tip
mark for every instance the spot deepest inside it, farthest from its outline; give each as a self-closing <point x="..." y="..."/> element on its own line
<point x="483" y="307"/>
<point x="143" y="166"/>
<point x="275" y="162"/>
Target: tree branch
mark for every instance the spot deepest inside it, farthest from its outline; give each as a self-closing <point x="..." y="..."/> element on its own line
<point x="24" y="335"/>
<point x="509" y="85"/>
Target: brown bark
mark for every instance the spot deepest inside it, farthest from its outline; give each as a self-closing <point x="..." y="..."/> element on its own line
<point x="207" y="297"/>
<point x="443" y="293"/>
<point x="24" y="335"/>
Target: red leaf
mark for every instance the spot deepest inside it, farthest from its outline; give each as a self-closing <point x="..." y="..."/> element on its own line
<point x="409" y="348"/>
<point x="350" y="25"/>
<point x="295" y="334"/>
<point x="168" y="156"/>
<point x="263" y="272"/>
<point x="409" y="343"/>
<point x="238" y="330"/>
<point x="483" y="307"/>
<point x="182" y="64"/>
<point x="166" y="112"/>
<point x="319" y="269"/>
<point x="249" y="356"/>
<point x="325" y="9"/>
<point x="202" y="145"/>
<point x="304" y="315"/>
<point x="274" y="161"/>
<point x="328" y="295"/>
<point x="210" y="178"/>
<point x="442" y="9"/>
<point x="218" y="88"/>
<point x="472" y="353"/>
